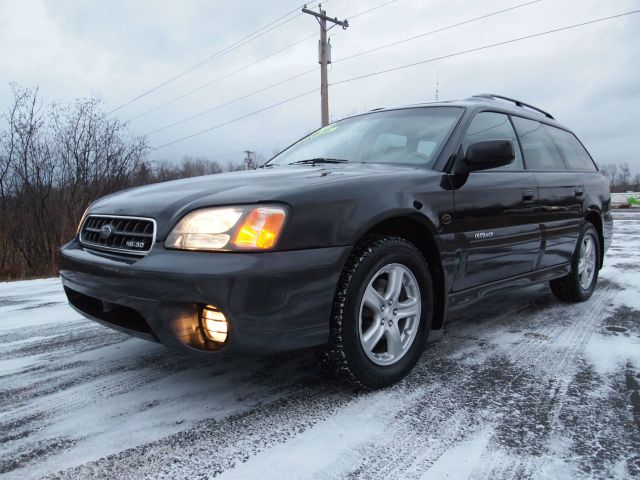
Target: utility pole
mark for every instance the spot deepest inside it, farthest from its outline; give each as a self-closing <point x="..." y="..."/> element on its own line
<point x="248" y="160"/>
<point x="324" y="51"/>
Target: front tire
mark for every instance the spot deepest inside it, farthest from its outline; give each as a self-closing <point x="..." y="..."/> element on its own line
<point x="579" y="284"/>
<point x="381" y="315"/>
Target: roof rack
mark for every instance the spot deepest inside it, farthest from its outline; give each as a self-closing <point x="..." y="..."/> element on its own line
<point x="517" y="102"/>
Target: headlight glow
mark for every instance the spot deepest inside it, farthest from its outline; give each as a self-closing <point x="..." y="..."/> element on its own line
<point x="220" y="228"/>
<point x="205" y="229"/>
<point x="215" y="324"/>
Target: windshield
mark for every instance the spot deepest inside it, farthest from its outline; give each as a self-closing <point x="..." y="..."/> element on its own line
<point x="409" y="136"/>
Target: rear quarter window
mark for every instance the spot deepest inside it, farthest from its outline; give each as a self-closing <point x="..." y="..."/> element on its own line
<point x="574" y="153"/>
<point x="540" y="152"/>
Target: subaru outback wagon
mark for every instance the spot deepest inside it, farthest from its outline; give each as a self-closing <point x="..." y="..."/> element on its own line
<point x="355" y="241"/>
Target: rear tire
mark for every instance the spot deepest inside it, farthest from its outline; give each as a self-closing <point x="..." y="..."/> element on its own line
<point x="579" y="284"/>
<point x="381" y="314"/>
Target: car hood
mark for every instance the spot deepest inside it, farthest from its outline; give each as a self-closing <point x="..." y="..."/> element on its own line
<point x="169" y="200"/>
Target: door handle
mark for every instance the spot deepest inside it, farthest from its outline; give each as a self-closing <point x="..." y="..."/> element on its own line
<point x="528" y="196"/>
<point x="579" y="192"/>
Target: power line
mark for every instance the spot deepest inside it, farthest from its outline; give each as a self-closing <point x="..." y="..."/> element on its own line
<point x="303" y="73"/>
<point x="245" y="67"/>
<point x="218" y="79"/>
<point x="244" y="40"/>
<point x="442" y="29"/>
<point x="371" y="9"/>
<point x="237" y="99"/>
<point x="291" y="99"/>
<point x="400" y="67"/>
<point x="484" y="47"/>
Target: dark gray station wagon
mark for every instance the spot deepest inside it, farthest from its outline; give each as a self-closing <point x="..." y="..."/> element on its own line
<point x="354" y="241"/>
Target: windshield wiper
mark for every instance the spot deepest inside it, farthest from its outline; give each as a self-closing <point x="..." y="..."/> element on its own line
<point x="313" y="161"/>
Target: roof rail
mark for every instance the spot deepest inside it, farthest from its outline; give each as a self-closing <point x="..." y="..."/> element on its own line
<point x="517" y="102"/>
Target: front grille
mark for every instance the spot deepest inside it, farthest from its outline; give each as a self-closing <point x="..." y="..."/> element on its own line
<point x="130" y="235"/>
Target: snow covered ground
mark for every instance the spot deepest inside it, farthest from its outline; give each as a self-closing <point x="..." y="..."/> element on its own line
<point x="519" y="386"/>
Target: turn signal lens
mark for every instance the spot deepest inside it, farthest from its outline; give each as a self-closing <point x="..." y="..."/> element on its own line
<point x="260" y="229"/>
<point x="215" y="324"/>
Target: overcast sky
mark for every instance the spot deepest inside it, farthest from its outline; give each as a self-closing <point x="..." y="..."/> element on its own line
<point x="588" y="77"/>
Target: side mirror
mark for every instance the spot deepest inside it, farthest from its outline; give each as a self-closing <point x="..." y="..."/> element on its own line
<point x="489" y="154"/>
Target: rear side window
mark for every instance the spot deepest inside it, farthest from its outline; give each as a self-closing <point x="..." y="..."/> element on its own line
<point x="493" y="126"/>
<point x="574" y="153"/>
<point x="540" y="153"/>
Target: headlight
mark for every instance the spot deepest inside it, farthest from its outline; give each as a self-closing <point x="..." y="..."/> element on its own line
<point x="228" y="228"/>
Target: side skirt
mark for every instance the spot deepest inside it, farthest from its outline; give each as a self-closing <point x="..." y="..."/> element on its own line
<point x="463" y="298"/>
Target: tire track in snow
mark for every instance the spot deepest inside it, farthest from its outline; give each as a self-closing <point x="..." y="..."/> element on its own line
<point x="398" y="456"/>
<point x="219" y="445"/>
<point x="510" y="386"/>
<point x="436" y="381"/>
<point x="252" y="380"/>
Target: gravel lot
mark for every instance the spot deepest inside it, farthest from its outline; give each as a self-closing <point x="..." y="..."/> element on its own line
<point x="518" y="386"/>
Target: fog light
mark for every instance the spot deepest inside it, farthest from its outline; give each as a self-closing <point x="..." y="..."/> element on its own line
<point x="214" y="323"/>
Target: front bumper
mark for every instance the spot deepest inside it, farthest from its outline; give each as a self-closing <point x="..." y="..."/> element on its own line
<point x="273" y="301"/>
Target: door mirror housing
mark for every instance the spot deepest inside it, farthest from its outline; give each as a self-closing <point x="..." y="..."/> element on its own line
<point x="489" y="154"/>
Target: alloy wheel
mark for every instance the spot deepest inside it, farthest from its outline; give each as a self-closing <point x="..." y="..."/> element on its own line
<point x="389" y="315"/>
<point x="587" y="261"/>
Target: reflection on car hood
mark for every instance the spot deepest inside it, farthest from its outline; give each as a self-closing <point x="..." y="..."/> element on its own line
<point x="163" y="201"/>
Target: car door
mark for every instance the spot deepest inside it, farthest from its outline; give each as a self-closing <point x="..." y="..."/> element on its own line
<point x="494" y="222"/>
<point x="560" y="192"/>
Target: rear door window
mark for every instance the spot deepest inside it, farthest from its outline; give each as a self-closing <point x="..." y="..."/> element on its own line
<point x="574" y="153"/>
<point x="540" y="152"/>
<point x="493" y="126"/>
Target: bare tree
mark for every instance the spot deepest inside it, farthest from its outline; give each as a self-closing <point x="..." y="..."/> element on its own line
<point x="57" y="159"/>
<point x="195" y="167"/>
<point x="235" y="166"/>
<point x="624" y="177"/>
<point x="28" y="178"/>
<point x="96" y="154"/>
<point x="610" y="170"/>
<point x="54" y="161"/>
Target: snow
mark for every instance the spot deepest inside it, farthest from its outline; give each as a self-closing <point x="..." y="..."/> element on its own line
<point x="458" y="462"/>
<point x="522" y="386"/>
<point x="629" y="298"/>
<point x="328" y="449"/>
<point x="611" y="353"/>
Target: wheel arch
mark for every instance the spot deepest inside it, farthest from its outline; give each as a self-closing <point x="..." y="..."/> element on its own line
<point x="420" y="232"/>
